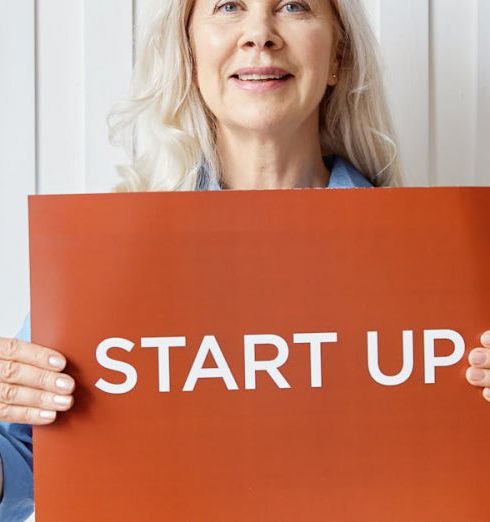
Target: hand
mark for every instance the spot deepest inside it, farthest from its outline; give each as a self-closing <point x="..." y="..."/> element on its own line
<point x="32" y="389"/>
<point x="479" y="372"/>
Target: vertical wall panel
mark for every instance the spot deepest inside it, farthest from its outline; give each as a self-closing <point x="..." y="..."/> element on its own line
<point x="108" y="42"/>
<point x="404" y="38"/>
<point x="454" y="91"/>
<point x="85" y="60"/>
<point x="60" y="97"/>
<point x="17" y="156"/>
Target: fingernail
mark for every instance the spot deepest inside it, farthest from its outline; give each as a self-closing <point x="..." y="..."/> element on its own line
<point x="486" y="339"/>
<point x="62" y="399"/>
<point x="63" y="384"/>
<point x="477" y="357"/>
<point x="44" y="414"/>
<point x="56" y="362"/>
<point x="476" y="375"/>
<point x="486" y="392"/>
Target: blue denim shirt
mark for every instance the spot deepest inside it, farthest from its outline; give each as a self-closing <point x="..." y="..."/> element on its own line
<point x="16" y="439"/>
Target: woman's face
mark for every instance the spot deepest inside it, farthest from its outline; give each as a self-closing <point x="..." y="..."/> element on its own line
<point x="263" y="64"/>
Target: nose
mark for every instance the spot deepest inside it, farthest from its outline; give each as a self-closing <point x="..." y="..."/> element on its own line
<point x="258" y="32"/>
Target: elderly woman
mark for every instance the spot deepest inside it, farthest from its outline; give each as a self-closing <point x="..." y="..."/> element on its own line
<point x="249" y="94"/>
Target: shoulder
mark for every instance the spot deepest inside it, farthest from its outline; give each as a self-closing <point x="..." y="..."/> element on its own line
<point x="344" y="175"/>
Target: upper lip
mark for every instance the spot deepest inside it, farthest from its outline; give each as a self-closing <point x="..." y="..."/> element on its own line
<point x="274" y="71"/>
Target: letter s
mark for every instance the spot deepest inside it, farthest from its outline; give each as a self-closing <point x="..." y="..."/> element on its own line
<point x="118" y="366"/>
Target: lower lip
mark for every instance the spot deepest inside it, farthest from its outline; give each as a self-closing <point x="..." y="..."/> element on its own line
<point x="260" y="86"/>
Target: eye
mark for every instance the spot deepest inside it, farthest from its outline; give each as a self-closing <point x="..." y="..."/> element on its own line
<point x="227" y="7"/>
<point x="295" y="5"/>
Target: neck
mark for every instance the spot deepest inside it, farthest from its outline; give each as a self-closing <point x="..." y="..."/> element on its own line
<point x="284" y="159"/>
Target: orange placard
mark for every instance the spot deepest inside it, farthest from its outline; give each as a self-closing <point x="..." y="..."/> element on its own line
<point x="264" y="356"/>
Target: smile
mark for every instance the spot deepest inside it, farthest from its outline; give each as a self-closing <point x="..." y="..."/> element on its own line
<point x="258" y="82"/>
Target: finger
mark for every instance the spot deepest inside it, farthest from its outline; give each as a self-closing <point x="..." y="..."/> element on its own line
<point x="485" y="339"/>
<point x="486" y="394"/>
<point x="480" y="357"/>
<point x="23" y="415"/>
<point x="478" y="376"/>
<point x="22" y="396"/>
<point x="33" y="354"/>
<point x="13" y="372"/>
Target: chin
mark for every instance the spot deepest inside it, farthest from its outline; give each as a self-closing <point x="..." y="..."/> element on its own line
<point x="260" y="123"/>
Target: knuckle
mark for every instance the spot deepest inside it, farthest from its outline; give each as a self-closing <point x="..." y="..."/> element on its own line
<point x="8" y="393"/>
<point x="39" y="358"/>
<point x="8" y="371"/>
<point x="44" y="380"/>
<point x="26" y="415"/>
<point x="9" y="348"/>
<point x="4" y="412"/>
<point x="44" y="399"/>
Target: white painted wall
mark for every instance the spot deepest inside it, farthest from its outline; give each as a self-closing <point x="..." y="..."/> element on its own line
<point x="17" y="155"/>
<point x="64" y="62"/>
<point x="403" y="32"/>
<point x="67" y="62"/>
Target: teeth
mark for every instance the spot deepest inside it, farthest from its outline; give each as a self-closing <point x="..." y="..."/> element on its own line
<point x="249" y="77"/>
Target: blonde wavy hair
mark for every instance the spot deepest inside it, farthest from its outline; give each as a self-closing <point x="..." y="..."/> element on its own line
<point x="167" y="121"/>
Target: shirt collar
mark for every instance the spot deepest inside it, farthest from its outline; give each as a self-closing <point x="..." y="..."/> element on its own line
<point x="342" y="175"/>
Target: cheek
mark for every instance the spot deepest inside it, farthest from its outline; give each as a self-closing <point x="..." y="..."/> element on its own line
<point x="210" y="52"/>
<point x="316" y="54"/>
